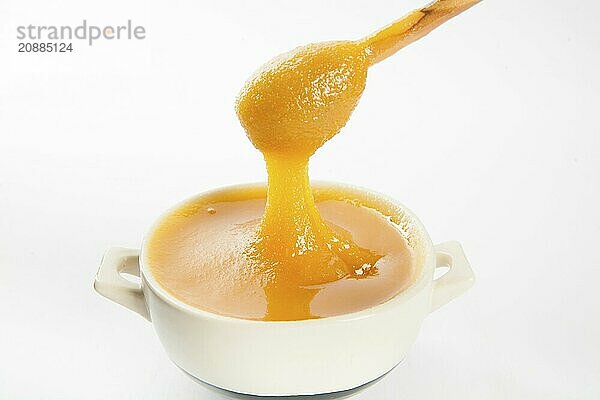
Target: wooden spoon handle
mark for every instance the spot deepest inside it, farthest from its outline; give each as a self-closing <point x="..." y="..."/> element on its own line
<point x="412" y="26"/>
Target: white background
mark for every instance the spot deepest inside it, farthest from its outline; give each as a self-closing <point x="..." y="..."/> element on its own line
<point x="488" y="129"/>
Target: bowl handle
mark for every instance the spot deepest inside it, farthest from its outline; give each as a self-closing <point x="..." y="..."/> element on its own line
<point x="111" y="284"/>
<point x="457" y="280"/>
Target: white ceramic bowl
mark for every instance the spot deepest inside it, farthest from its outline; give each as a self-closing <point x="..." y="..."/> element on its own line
<point x="291" y="358"/>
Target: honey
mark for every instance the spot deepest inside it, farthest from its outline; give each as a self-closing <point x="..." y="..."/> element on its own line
<point x="276" y="260"/>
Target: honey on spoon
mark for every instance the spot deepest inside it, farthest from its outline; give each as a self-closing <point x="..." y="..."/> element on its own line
<point x="289" y="109"/>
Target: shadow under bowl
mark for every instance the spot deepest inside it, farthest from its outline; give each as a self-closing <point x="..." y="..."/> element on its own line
<point x="344" y="394"/>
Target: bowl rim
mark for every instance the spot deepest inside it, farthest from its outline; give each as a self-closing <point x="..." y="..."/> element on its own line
<point x="421" y="281"/>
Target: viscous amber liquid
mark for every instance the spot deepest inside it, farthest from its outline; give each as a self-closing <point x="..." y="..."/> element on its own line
<point x="199" y="254"/>
<point x="292" y="257"/>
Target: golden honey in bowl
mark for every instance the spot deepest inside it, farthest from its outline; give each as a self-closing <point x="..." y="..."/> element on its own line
<point x="201" y="253"/>
<point x="292" y="257"/>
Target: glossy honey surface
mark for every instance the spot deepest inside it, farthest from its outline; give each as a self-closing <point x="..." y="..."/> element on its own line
<point x="273" y="260"/>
